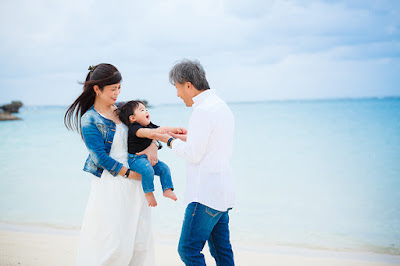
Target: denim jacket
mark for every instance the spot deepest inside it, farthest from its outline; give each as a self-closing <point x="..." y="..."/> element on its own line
<point x="98" y="134"/>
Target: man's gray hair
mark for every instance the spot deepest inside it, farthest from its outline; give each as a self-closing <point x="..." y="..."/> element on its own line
<point x="189" y="71"/>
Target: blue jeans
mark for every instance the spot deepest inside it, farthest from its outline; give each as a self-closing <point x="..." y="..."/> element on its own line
<point x="141" y="165"/>
<point x="201" y="224"/>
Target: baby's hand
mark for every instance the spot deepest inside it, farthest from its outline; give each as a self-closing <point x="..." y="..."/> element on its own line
<point x="161" y="130"/>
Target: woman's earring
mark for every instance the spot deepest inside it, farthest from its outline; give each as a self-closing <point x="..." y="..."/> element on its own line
<point x="97" y="94"/>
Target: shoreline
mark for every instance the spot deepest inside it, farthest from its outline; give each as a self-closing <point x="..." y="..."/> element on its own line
<point x="43" y="245"/>
<point x="245" y="245"/>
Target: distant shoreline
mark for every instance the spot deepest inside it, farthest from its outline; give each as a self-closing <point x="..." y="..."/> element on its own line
<point x="302" y="100"/>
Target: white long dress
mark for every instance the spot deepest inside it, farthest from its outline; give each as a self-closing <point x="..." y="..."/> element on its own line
<point x="116" y="228"/>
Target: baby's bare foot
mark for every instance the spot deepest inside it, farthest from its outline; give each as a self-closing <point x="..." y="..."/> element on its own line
<point x="151" y="199"/>
<point x="168" y="193"/>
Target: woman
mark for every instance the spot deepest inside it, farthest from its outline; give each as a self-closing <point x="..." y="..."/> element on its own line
<point x="116" y="228"/>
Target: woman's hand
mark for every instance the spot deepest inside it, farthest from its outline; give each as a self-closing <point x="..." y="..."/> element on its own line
<point x="132" y="174"/>
<point x="151" y="153"/>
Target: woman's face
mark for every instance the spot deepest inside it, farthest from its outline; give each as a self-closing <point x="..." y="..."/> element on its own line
<point x="110" y="93"/>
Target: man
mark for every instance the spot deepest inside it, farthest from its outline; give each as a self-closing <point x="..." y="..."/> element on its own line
<point x="207" y="148"/>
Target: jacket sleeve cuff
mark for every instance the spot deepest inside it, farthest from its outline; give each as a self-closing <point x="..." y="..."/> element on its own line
<point x="116" y="168"/>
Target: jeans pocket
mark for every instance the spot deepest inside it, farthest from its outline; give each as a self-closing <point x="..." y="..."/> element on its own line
<point x="212" y="212"/>
<point x="132" y="157"/>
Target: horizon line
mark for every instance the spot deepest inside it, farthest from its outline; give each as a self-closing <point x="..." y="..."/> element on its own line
<point x="247" y="101"/>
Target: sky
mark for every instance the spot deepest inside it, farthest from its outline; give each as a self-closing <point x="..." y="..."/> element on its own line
<point x="251" y="50"/>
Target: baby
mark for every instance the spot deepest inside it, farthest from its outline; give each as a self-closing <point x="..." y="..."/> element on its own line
<point x="137" y="118"/>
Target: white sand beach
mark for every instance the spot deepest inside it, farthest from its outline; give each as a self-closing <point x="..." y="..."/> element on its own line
<point x="45" y="246"/>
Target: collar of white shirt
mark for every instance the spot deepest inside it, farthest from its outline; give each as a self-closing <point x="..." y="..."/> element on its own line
<point x="198" y="99"/>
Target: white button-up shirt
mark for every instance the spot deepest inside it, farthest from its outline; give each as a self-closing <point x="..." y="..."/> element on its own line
<point x="207" y="151"/>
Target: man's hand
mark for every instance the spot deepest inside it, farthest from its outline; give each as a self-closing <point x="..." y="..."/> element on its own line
<point x="161" y="137"/>
<point x="182" y="137"/>
<point x="165" y="137"/>
<point x="180" y="130"/>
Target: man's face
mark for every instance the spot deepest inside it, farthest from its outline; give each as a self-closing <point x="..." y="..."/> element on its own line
<point x="183" y="91"/>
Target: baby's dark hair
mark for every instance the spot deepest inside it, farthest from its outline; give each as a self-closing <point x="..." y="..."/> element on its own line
<point x="126" y="110"/>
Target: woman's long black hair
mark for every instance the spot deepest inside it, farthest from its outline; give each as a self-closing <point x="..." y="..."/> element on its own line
<point x="100" y="75"/>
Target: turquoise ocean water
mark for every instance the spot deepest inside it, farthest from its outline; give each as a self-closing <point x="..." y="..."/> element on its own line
<point x="318" y="174"/>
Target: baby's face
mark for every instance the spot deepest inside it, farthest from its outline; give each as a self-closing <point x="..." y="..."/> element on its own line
<point x="142" y="116"/>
